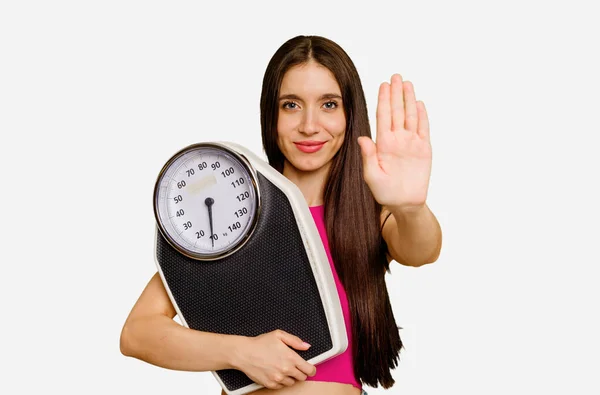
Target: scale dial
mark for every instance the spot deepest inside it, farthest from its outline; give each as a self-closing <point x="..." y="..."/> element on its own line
<point x="207" y="201"/>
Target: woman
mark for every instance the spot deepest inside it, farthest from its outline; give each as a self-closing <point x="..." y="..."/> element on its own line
<point x="368" y="201"/>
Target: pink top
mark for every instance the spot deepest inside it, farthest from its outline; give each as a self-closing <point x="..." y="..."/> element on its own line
<point x="341" y="367"/>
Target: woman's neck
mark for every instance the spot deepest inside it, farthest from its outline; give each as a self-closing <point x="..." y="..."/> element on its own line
<point x="310" y="183"/>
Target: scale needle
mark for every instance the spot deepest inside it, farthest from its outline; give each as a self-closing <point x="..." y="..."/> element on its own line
<point x="209" y="202"/>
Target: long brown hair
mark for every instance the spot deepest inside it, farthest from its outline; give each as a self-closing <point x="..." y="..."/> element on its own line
<point x="352" y="215"/>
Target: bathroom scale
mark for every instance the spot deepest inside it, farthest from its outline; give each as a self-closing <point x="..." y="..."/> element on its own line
<point x="239" y="253"/>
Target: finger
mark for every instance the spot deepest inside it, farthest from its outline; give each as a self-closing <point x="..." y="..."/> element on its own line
<point x="292" y="341"/>
<point x="397" y="103"/>
<point x="384" y="113"/>
<point x="368" y="151"/>
<point x="287" y="381"/>
<point x="423" y="129"/>
<point x="410" y="108"/>
<point x="297" y="374"/>
<point x="305" y="367"/>
<point x="272" y="385"/>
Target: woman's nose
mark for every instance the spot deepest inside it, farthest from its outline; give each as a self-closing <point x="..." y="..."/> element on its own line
<point x="309" y="123"/>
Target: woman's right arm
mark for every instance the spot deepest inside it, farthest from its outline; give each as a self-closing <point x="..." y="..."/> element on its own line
<point x="150" y="334"/>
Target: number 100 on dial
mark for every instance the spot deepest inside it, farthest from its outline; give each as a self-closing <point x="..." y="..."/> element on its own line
<point x="206" y="201"/>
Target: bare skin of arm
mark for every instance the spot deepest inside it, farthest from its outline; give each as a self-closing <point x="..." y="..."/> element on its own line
<point x="150" y="334"/>
<point x="413" y="237"/>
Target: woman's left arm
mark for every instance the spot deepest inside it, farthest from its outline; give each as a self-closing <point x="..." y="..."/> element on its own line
<point x="397" y="168"/>
<point x="413" y="236"/>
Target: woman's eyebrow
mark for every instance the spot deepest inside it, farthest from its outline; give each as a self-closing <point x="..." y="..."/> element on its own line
<point x="322" y="97"/>
<point x="330" y="96"/>
<point x="289" y="96"/>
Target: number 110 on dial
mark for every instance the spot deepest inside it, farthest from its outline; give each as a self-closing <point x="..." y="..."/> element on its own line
<point x="206" y="201"/>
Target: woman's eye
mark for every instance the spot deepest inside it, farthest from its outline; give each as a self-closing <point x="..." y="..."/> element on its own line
<point x="330" y="105"/>
<point x="289" y="105"/>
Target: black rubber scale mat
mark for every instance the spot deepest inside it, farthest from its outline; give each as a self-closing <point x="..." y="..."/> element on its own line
<point x="262" y="287"/>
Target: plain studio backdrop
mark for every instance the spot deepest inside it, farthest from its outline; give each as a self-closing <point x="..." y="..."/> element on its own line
<point x="96" y="96"/>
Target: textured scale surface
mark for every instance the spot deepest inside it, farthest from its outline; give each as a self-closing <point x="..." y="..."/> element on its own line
<point x="266" y="285"/>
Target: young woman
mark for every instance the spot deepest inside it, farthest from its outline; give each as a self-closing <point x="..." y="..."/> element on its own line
<point x="368" y="201"/>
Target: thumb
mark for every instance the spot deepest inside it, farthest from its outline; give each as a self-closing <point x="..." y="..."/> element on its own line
<point x="293" y="341"/>
<point x="369" y="153"/>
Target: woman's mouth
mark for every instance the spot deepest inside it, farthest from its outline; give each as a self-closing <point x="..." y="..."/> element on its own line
<point x="309" y="146"/>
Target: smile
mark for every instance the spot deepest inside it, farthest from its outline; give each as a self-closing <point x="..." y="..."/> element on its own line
<point x="310" y="146"/>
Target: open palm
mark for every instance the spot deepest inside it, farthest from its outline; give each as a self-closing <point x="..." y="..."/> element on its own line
<point x="397" y="167"/>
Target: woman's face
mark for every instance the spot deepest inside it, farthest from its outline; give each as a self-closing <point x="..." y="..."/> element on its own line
<point x="311" y="123"/>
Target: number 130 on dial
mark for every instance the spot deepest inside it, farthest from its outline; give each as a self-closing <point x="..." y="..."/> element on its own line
<point x="207" y="201"/>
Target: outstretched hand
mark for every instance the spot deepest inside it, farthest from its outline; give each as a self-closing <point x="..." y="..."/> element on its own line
<point x="397" y="167"/>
